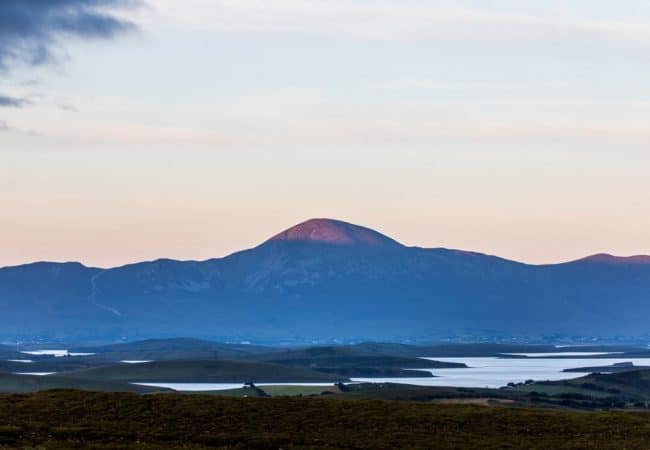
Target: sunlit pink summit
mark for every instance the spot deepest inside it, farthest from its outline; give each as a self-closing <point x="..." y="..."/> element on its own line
<point x="335" y="232"/>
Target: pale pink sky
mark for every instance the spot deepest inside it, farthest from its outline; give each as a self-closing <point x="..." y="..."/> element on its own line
<point x="518" y="128"/>
<point x="106" y="208"/>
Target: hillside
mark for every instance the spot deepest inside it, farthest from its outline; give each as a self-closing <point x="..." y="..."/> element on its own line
<point x="346" y="361"/>
<point x="148" y="350"/>
<point x="448" y="350"/>
<point x="176" y="348"/>
<point x="351" y="362"/>
<point x="613" y="368"/>
<point x="7" y="352"/>
<point x="325" y="275"/>
<point x="622" y="388"/>
<point x="215" y="371"/>
<point x="10" y="383"/>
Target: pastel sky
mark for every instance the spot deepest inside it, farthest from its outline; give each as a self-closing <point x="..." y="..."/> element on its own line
<point x="191" y="129"/>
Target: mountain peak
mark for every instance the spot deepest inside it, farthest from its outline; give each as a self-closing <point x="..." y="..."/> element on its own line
<point x="607" y="258"/>
<point x="334" y="232"/>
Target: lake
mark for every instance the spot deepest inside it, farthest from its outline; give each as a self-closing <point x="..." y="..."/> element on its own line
<point x="494" y="372"/>
<point x="196" y="387"/>
<point x="491" y="372"/>
<point x="55" y="353"/>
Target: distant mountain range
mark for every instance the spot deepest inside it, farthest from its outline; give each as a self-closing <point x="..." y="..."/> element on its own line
<point x="326" y="279"/>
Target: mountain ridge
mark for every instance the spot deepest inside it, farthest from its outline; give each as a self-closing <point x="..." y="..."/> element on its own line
<point x="323" y="281"/>
<point x="613" y="259"/>
<point x="338" y="232"/>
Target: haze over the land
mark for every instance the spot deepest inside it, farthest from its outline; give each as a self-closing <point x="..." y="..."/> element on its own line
<point x="193" y="129"/>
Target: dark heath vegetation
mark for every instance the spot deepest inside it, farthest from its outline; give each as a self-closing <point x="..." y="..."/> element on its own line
<point x="52" y="420"/>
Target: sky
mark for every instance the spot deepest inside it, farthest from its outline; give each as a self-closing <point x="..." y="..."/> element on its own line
<point x="133" y="130"/>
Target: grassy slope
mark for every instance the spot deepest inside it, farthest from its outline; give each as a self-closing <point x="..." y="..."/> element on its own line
<point x="406" y="392"/>
<point x="50" y="364"/>
<point x="81" y="420"/>
<point x="292" y="391"/>
<point x="362" y="360"/>
<point x="176" y="348"/>
<point x="273" y="391"/>
<point x="10" y="383"/>
<point x="606" y="369"/>
<point x="596" y="392"/>
<point x="628" y="384"/>
<point x="486" y="349"/>
<point x="448" y="350"/>
<point x="343" y="361"/>
<point x="375" y="372"/>
<point x="345" y="367"/>
<point x="7" y="352"/>
<point x="239" y="392"/>
<point x="353" y="362"/>
<point x="346" y="357"/>
<point x="203" y="371"/>
<point x="149" y="350"/>
<point x="622" y="388"/>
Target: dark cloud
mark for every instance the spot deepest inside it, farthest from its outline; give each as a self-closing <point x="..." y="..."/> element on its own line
<point x="32" y="30"/>
<point x="13" y="102"/>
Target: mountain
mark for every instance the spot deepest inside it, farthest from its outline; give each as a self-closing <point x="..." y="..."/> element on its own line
<point x="327" y="279"/>
<point x="334" y="232"/>
<point x="611" y="259"/>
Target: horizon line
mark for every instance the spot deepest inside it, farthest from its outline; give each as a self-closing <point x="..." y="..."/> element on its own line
<point x="597" y="256"/>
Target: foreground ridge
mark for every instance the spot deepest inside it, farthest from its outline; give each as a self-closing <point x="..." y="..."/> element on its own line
<point x="65" y="419"/>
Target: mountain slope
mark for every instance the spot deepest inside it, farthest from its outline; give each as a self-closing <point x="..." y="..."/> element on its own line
<point x="327" y="279"/>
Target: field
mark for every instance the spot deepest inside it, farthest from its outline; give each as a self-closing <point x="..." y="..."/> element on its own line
<point x="72" y="419"/>
<point x="292" y="391"/>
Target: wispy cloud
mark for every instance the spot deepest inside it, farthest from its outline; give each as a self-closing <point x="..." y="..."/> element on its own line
<point x="429" y="84"/>
<point x="300" y="118"/>
<point x="405" y="20"/>
<point x="31" y="31"/>
<point x="13" y="102"/>
<point x="67" y="107"/>
<point x="6" y="127"/>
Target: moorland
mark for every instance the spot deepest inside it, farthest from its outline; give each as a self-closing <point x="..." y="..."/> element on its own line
<point x="74" y="419"/>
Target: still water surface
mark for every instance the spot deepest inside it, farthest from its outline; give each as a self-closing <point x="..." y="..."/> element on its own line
<point x="496" y="372"/>
<point x="196" y="387"/>
<point x="492" y="372"/>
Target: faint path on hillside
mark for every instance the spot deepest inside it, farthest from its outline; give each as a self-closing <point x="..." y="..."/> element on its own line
<point x="95" y="292"/>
